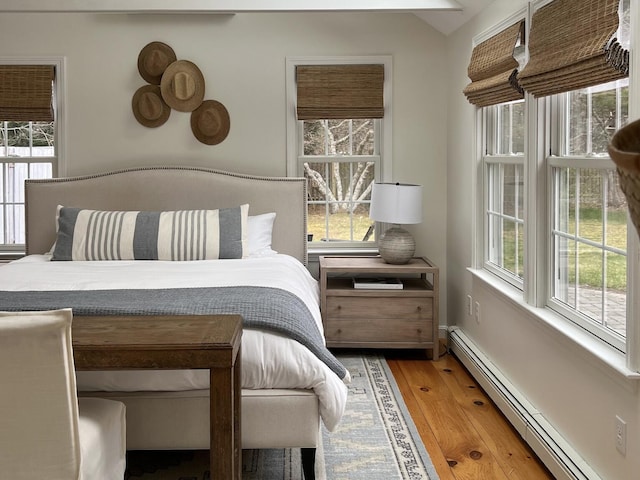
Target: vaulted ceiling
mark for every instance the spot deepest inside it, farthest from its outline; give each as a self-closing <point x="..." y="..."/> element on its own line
<point x="450" y="20"/>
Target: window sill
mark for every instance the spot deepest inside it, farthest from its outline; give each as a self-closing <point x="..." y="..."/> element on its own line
<point x="574" y="336"/>
<point x="6" y="257"/>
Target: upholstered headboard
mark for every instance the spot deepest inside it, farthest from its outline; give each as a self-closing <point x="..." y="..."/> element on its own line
<point x="170" y="188"/>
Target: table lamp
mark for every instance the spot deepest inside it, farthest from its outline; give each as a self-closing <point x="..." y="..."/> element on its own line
<point x="396" y="203"/>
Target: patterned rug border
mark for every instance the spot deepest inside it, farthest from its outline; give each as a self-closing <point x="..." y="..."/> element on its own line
<point x="411" y="426"/>
<point x="380" y="440"/>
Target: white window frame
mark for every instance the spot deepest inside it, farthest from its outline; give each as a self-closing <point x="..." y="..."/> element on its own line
<point x="383" y="130"/>
<point x="535" y="290"/>
<point x="490" y="139"/>
<point x="58" y="163"/>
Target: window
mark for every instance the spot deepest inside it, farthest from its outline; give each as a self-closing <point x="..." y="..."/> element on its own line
<point x="340" y="159"/>
<point x="336" y="143"/>
<point x="588" y="235"/>
<point x="27" y="140"/>
<point x="26" y="151"/>
<point x="504" y="190"/>
<point x="548" y="152"/>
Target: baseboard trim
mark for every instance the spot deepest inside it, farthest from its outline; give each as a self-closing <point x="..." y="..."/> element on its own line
<point x="555" y="452"/>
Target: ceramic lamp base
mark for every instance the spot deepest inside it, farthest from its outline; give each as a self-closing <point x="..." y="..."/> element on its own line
<point x="396" y="246"/>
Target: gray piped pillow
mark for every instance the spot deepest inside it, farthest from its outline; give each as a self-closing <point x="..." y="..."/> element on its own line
<point x="136" y="235"/>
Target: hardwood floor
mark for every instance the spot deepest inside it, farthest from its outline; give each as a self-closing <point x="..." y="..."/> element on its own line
<point x="465" y="434"/>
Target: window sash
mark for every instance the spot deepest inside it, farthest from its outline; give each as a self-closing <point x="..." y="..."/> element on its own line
<point x="568" y="297"/>
<point x="13" y="172"/>
<point x="352" y="242"/>
<point x="503" y="230"/>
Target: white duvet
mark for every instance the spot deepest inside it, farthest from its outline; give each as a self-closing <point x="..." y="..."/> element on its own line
<point x="268" y="360"/>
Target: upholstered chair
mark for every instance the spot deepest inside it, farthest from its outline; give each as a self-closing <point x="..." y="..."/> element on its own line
<point x="44" y="432"/>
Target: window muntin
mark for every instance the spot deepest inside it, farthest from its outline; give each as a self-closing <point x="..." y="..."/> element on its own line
<point x="27" y="150"/>
<point x="504" y="190"/>
<point x="340" y="158"/>
<point x="588" y="232"/>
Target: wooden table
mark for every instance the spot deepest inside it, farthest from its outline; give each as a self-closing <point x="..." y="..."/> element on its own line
<point x="175" y="342"/>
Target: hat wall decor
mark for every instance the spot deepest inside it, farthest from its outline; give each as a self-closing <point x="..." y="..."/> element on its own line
<point x="179" y="85"/>
<point x="210" y="122"/>
<point x="182" y="86"/>
<point x="148" y="106"/>
<point x="153" y="60"/>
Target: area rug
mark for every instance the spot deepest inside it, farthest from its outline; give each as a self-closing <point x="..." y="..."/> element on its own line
<point x="376" y="440"/>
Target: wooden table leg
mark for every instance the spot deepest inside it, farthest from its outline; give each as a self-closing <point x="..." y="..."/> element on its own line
<point x="237" y="387"/>
<point x="222" y="435"/>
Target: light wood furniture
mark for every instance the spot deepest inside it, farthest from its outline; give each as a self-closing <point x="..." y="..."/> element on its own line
<point x="175" y="342"/>
<point x="379" y="318"/>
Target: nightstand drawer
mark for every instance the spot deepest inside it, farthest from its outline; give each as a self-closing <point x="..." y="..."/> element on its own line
<point x="387" y="330"/>
<point x="416" y="308"/>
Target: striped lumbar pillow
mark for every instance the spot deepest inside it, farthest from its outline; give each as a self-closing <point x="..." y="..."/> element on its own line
<point x="178" y="235"/>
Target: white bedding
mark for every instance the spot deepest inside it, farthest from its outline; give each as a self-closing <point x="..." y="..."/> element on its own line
<point x="268" y="360"/>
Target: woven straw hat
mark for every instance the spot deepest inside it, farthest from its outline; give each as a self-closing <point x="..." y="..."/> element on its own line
<point x="153" y="60"/>
<point x="182" y="86"/>
<point x="210" y="122"/>
<point x="624" y="150"/>
<point x="148" y="106"/>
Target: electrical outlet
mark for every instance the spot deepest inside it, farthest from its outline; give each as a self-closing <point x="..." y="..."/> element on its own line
<point x="621" y="435"/>
<point x="469" y="305"/>
<point x="477" y="311"/>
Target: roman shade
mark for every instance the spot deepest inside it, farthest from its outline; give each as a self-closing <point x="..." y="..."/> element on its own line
<point x="493" y="69"/>
<point x="339" y="91"/>
<point x="572" y="45"/>
<point x="26" y="93"/>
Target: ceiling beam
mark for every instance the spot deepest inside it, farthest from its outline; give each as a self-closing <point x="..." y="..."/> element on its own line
<point x="226" y="6"/>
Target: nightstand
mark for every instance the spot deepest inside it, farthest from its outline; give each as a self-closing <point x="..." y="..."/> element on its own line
<point x="404" y="317"/>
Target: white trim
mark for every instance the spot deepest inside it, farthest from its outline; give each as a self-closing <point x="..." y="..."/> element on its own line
<point x="535" y="260"/>
<point x="518" y="15"/>
<point x="555" y="452"/>
<point x="477" y="188"/>
<point x="633" y="237"/>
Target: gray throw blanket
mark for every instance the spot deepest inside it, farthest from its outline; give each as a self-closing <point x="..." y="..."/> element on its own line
<point x="262" y="308"/>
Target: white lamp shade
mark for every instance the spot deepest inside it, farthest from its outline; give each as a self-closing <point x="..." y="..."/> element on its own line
<point x="397" y="203"/>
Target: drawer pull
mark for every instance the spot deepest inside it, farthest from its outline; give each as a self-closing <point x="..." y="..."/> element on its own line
<point x="419" y="308"/>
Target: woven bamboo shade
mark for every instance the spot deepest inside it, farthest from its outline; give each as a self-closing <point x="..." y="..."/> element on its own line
<point x="572" y="45"/>
<point x="340" y="91"/>
<point x="493" y="69"/>
<point x="26" y="93"/>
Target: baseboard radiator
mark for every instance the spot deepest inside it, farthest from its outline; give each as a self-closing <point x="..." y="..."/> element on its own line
<point x="556" y="453"/>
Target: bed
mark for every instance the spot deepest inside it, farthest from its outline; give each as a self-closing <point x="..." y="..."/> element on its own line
<point x="287" y="373"/>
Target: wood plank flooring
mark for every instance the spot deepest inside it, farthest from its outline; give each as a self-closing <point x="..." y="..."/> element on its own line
<point x="465" y="434"/>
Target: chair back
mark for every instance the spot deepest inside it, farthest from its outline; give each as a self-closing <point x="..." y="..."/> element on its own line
<point x="38" y="399"/>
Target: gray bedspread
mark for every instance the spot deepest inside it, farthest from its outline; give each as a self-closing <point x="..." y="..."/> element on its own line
<point x="262" y="308"/>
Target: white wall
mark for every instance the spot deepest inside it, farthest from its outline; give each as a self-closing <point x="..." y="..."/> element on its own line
<point x="578" y="394"/>
<point x="242" y="58"/>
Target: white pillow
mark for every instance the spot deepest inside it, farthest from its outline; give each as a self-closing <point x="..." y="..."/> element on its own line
<point x="259" y="231"/>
